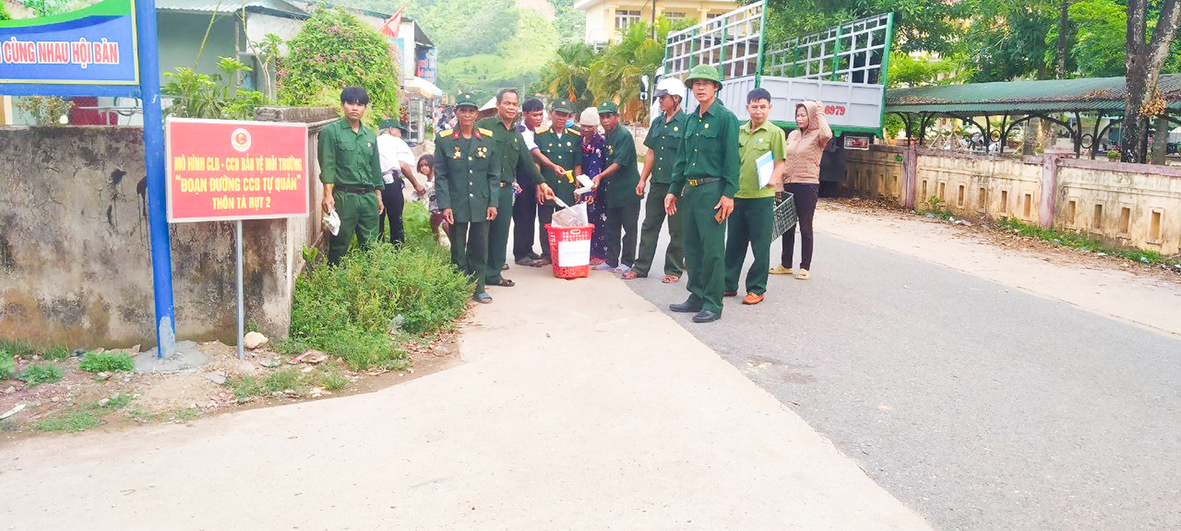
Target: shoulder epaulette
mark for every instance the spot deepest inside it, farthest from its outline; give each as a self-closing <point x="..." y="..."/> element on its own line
<point x="445" y="133"/>
<point x="486" y="132"/>
<point x="574" y="130"/>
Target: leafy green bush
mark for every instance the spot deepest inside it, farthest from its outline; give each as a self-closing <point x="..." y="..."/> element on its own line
<point x="106" y="361"/>
<point x="334" y="50"/>
<point x="349" y="310"/>
<point x="41" y="373"/>
<point x="7" y="365"/>
<point x="196" y="95"/>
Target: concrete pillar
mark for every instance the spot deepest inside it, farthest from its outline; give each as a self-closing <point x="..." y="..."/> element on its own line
<point x="1049" y="200"/>
<point x="910" y="159"/>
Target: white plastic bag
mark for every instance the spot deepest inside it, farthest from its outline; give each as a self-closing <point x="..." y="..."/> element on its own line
<point x="332" y="222"/>
<point x="570" y="216"/>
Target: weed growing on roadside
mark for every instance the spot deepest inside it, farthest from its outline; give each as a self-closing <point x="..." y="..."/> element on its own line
<point x="106" y="362"/>
<point x="119" y="401"/>
<point x="185" y="415"/>
<point x="245" y="387"/>
<point x="936" y="207"/>
<point x="7" y="365"/>
<point x="332" y="378"/>
<point x="41" y="373"/>
<point x="74" y="420"/>
<point x="56" y="353"/>
<point x="20" y="348"/>
<point x="1082" y="241"/>
<point x="349" y="310"/>
<point x="283" y="380"/>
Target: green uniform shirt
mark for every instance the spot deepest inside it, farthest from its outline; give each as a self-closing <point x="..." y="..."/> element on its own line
<point x="664" y="139"/>
<point x="753" y="144"/>
<point x="348" y="158"/>
<point x="621" y="150"/>
<point x="514" y="158"/>
<point x="709" y="149"/>
<point x="468" y="174"/>
<point x="565" y="151"/>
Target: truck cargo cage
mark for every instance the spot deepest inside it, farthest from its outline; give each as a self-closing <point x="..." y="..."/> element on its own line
<point x="845" y="67"/>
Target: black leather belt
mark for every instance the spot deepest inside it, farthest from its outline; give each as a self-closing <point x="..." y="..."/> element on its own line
<point x="698" y="182"/>
<point x="353" y="189"/>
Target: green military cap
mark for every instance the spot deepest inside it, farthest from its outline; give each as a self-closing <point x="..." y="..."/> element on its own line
<point x="466" y="99"/>
<point x="608" y="107"/>
<point x="703" y="71"/>
<point x="563" y="106"/>
<point x="391" y="123"/>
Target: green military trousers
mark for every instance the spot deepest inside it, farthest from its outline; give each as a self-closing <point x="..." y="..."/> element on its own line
<point x="358" y="215"/>
<point x="674" y="254"/>
<point x="498" y="230"/>
<point x="469" y="250"/>
<point x="750" y="223"/>
<point x="705" y="240"/>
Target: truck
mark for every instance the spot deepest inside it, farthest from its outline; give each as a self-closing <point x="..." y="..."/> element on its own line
<point x="844" y="67"/>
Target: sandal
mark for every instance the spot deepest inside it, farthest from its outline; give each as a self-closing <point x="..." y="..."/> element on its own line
<point x="670" y="279"/>
<point x="803" y="275"/>
<point x="631" y="275"/>
<point x="780" y="270"/>
<point x="505" y="283"/>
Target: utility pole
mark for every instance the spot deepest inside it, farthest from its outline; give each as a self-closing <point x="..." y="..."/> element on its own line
<point x="653" y="28"/>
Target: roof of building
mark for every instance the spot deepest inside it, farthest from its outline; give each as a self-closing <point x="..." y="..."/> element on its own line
<point x="1058" y="95"/>
<point x="270" y="7"/>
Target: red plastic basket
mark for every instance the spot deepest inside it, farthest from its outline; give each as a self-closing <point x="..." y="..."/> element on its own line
<point x="578" y="244"/>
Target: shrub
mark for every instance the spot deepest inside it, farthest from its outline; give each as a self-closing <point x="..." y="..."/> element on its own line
<point x="349" y="310"/>
<point x="106" y="362"/>
<point x="7" y="365"/>
<point x="40" y="373"/>
<point x="56" y="353"/>
<point x="334" y="50"/>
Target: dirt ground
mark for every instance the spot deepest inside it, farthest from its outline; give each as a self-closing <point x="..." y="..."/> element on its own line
<point x="181" y="396"/>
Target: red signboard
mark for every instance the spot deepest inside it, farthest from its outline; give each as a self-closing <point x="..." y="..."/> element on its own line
<point x="225" y="170"/>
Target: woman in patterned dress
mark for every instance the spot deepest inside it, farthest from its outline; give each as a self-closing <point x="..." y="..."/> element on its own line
<point x="594" y="161"/>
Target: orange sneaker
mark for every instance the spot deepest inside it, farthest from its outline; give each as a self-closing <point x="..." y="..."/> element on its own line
<point x="753" y="298"/>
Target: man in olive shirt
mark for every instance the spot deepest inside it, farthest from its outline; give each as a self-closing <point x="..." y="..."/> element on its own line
<point x="664" y="144"/>
<point x="623" y="206"/>
<point x="754" y="206"/>
<point x="467" y="179"/>
<point x="516" y="163"/>
<point x="562" y="147"/>
<point x="707" y="172"/>
<point x="350" y="168"/>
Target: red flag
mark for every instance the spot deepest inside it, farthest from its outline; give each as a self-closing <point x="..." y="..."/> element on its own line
<point x="390" y="28"/>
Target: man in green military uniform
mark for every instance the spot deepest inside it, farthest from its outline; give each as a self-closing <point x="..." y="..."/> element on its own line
<point x="707" y="173"/>
<point x="350" y="169"/>
<point x="664" y="144"/>
<point x="754" y="205"/>
<point x="562" y="146"/>
<point x="467" y="185"/>
<point x="516" y="163"/>
<point x="623" y="205"/>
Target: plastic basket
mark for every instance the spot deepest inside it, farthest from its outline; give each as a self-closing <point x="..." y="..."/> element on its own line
<point x="785" y="215"/>
<point x="569" y="249"/>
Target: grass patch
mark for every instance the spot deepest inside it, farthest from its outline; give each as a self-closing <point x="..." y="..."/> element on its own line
<point x="935" y="207"/>
<point x="245" y="386"/>
<point x="74" y="420"/>
<point x="332" y="378"/>
<point x="119" y="401"/>
<point x="7" y="365"/>
<point x="349" y="310"/>
<point x="56" y="353"/>
<point x="284" y="380"/>
<point x="20" y="348"/>
<point x="106" y="362"/>
<point x="1083" y="241"/>
<point x="41" y="373"/>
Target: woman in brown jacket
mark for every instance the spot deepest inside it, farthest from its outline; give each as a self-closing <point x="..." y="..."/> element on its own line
<point x="805" y="145"/>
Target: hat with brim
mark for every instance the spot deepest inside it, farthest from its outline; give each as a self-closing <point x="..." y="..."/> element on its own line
<point x="563" y="106"/>
<point x="706" y="72"/>
<point x="608" y="107"/>
<point x="393" y="123"/>
<point x="466" y="99"/>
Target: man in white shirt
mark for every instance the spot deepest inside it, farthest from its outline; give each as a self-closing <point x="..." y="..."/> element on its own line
<point x="525" y="210"/>
<point x="397" y="161"/>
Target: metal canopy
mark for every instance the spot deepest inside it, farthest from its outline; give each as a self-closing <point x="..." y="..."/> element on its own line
<point x="1019" y="101"/>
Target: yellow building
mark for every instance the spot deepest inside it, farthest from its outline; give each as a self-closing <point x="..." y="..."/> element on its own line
<point x="606" y="19"/>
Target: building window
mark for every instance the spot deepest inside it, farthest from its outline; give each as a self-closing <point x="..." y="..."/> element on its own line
<point x="624" y="19"/>
<point x="674" y="16"/>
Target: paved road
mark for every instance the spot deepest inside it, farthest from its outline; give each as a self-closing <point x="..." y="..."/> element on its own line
<point x="983" y="407"/>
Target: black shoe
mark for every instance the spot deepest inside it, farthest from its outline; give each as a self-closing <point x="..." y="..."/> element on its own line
<point x="684" y="307"/>
<point x="534" y="255"/>
<point x="706" y="316"/>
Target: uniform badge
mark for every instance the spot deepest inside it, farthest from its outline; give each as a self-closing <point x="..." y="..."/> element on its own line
<point x="482" y="152"/>
<point x="457" y="154"/>
<point x="707" y="126"/>
<point x="675" y="128"/>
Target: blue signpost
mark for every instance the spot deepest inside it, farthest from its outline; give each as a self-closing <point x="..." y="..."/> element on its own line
<point x="107" y="49"/>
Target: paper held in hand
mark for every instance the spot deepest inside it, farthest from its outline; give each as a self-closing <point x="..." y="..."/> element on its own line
<point x="766" y="167"/>
<point x="587" y="185"/>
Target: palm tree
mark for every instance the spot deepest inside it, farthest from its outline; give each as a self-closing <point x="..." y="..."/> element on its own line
<point x="566" y="76"/>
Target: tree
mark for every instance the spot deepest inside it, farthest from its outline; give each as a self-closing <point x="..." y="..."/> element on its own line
<point x="334" y="50"/>
<point x="615" y="74"/>
<point x="919" y="25"/>
<point x="1145" y="58"/>
<point x="567" y="76"/>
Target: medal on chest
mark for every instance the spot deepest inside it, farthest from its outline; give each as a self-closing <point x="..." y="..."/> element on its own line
<point x="456" y="155"/>
<point x="482" y="152"/>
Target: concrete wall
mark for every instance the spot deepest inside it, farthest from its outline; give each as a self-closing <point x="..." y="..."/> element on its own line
<point x="1130" y="204"/>
<point x="75" y="262"/>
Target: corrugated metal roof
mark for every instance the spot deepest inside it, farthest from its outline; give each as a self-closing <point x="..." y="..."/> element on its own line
<point x="1058" y="95"/>
<point x="277" y="7"/>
